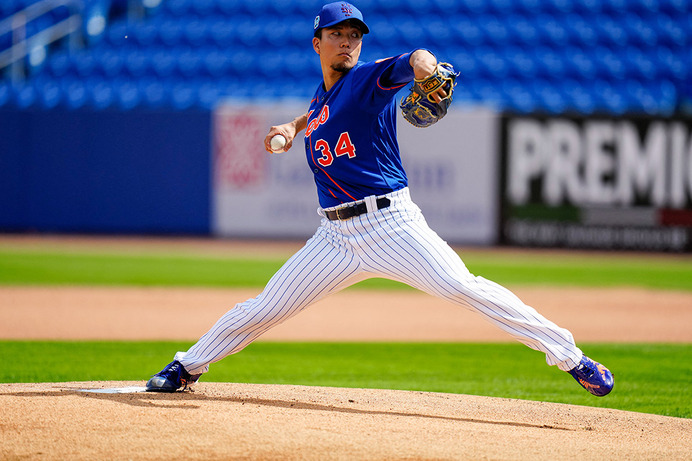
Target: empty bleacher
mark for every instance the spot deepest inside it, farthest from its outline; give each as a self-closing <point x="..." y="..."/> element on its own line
<point x="546" y="56"/>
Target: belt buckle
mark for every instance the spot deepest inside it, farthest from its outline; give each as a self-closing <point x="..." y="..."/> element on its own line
<point x="338" y="213"/>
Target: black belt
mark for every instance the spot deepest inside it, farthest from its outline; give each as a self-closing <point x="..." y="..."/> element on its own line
<point x="355" y="210"/>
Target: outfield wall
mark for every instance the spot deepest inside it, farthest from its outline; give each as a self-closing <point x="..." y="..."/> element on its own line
<point x="602" y="183"/>
<point x="480" y="177"/>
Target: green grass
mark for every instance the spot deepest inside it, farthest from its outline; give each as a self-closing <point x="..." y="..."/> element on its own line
<point x="32" y="267"/>
<point x="650" y="378"/>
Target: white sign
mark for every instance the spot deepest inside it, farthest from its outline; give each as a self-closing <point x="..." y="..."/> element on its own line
<point x="451" y="166"/>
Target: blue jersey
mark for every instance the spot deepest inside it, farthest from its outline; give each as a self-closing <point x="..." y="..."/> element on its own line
<point x="350" y="139"/>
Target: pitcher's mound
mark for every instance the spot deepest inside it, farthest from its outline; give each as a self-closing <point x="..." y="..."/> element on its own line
<point x="251" y="421"/>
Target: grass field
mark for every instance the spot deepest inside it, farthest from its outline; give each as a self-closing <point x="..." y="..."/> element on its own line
<point x="654" y="378"/>
<point x="34" y="267"/>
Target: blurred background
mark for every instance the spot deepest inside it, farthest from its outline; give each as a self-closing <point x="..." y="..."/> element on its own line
<point x="110" y="113"/>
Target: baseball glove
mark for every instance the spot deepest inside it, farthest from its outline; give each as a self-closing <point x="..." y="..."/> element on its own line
<point x="418" y="107"/>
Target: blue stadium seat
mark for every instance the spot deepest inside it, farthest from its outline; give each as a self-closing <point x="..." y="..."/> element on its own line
<point x="204" y="7"/>
<point x="474" y="7"/>
<point x="491" y="63"/>
<point x="179" y="8"/>
<point x="83" y="62"/>
<point x="163" y="62"/>
<point x="581" y="32"/>
<point x="221" y="33"/>
<point x="548" y="98"/>
<point x="465" y="62"/>
<point x="190" y="62"/>
<point x="111" y="62"/>
<point x="550" y="64"/>
<point x="437" y="32"/>
<point x="75" y="93"/>
<point x="277" y="32"/>
<point x="531" y="7"/>
<point x="100" y="94"/>
<point x="639" y="32"/>
<point x="171" y="32"/>
<point x="670" y="31"/>
<point x="382" y="32"/>
<point x="559" y="6"/>
<point x="577" y="98"/>
<point x="49" y="92"/>
<point x="249" y="32"/>
<point x="671" y="65"/>
<point x="127" y="94"/>
<point x="216" y="63"/>
<point x="410" y="33"/>
<point x="242" y="62"/>
<point x="522" y="31"/>
<point x="494" y="30"/>
<point x="118" y="34"/>
<point x="579" y="64"/>
<point x="5" y="93"/>
<point x="196" y="32"/>
<point x="639" y="65"/>
<point x="155" y="93"/>
<point x="59" y="64"/>
<point x="609" y="64"/>
<point x="517" y="96"/>
<point x="611" y="32"/>
<point x="145" y="34"/>
<point x="137" y="63"/>
<point x="521" y="63"/>
<point x="609" y="98"/>
<point x="551" y="30"/>
<point x="208" y="95"/>
<point x="467" y="32"/>
<point x="183" y="95"/>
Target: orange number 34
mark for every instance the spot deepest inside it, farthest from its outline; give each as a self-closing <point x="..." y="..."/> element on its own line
<point x="344" y="146"/>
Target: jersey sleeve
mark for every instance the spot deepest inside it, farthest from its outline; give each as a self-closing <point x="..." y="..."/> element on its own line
<point x="377" y="82"/>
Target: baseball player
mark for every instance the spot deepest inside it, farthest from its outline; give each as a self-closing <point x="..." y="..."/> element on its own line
<point x="370" y="227"/>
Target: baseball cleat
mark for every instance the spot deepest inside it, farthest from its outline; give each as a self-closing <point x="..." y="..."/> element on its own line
<point x="171" y="378"/>
<point x="593" y="377"/>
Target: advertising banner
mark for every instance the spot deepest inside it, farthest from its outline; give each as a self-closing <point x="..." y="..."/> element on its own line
<point x="597" y="183"/>
<point x="451" y="168"/>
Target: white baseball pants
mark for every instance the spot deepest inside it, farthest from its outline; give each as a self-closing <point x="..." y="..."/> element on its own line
<point x="394" y="243"/>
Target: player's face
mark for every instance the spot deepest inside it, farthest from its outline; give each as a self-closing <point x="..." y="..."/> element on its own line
<point x="339" y="47"/>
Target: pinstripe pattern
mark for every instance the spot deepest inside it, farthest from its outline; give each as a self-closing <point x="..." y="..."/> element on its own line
<point x="394" y="243"/>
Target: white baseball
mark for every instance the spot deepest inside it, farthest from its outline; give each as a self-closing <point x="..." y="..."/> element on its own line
<point x="277" y="143"/>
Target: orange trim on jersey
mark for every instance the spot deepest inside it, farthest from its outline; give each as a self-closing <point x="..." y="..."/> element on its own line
<point x="390" y="87"/>
<point x="312" y="154"/>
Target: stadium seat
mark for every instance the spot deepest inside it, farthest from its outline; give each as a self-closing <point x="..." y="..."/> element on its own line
<point x="190" y="62"/>
<point x="75" y="93"/>
<point x="550" y="64"/>
<point x="164" y="62"/>
<point x="522" y="31"/>
<point x="127" y="95"/>
<point x="111" y="63"/>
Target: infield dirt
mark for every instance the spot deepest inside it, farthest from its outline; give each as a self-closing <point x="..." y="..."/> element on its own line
<point x="244" y="421"/>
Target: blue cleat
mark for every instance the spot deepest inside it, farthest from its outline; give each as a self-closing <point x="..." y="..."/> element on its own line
<point x="171" y="378"/>
<point x="593" y="377"/>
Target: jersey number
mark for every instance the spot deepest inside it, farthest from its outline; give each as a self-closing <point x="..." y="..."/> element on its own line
<point x="344" y="146"/>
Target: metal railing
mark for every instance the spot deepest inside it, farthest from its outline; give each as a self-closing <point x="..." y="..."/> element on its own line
<point x="22" y="45"/>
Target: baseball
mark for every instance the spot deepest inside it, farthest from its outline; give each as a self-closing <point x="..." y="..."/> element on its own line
<point x="278" y="142"/>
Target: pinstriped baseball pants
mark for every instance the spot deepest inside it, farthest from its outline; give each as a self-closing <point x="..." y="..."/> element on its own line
<point x="394" y="243"/>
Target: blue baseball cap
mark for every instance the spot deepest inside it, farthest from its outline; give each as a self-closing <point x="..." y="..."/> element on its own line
<point x="332" y="14"/>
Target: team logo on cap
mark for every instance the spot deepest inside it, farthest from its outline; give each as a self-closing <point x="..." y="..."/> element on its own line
<point x="346" y="9"/>
<point x="317" y="21"/>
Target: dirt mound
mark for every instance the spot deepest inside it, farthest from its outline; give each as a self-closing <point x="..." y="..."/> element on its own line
<point x="250" y="421"/>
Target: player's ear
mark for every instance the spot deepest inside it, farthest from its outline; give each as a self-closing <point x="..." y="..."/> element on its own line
<point x="316" y="44"/>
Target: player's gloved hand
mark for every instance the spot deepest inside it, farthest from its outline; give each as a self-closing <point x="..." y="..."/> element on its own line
<point x="430" y="97"/>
